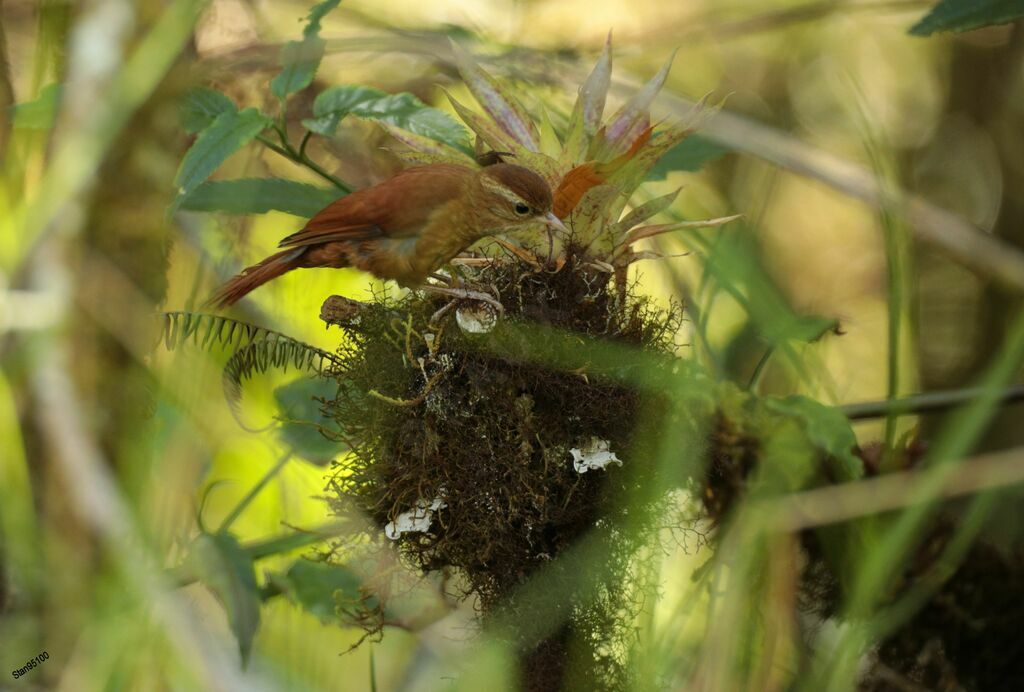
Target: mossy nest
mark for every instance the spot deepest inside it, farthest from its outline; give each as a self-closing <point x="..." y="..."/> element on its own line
<point x="469" y="444"/>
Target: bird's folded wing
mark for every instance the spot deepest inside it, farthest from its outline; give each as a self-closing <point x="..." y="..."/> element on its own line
<point x="317" y="236"/>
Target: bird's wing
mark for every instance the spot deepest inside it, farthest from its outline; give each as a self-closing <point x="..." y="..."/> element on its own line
<point x="397" y="207"/>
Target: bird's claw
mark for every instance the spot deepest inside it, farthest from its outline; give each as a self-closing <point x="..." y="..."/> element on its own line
<point x="466" y="294"/>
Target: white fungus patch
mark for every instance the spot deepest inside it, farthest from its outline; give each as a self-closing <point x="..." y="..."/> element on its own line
<point x="476" y="318"/>
<point x="593" y="455"/>
<point x="416" y="520"/>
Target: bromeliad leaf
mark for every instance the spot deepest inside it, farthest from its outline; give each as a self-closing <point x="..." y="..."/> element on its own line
<point x="630" y="120"/>
<point x="300" y="59"/>
<point x="201" y="106"/>
<point x="497" y="101"/>
<point x="222" y="565"/>
<point x="228" y="133"/>
<point x="586" y="114"/>
<point x="644" y="212"/>
<point x="493" y="136"/>
<point x="964" y="15"/>
<point x="260" y="195"/>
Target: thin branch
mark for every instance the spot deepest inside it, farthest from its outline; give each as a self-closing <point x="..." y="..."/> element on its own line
<point x="837" y="503"/>
<point x="929" y="402"/>
<point x="303" y="160"/>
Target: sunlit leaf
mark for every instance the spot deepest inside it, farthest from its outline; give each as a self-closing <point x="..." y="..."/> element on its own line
<point x="964" y="15"/>
<point x="201" y="106"/>
<point x="222" y="565"/>
<point x="228" y="133"/>
<point x="260" y="195"/>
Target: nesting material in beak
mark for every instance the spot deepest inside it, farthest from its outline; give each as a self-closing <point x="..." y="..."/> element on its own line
<point x="554" y="223"/>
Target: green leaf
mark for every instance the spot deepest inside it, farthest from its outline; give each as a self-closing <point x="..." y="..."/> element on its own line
<point x="316" y="15"/>
<point x="222" y="565"/>
<point x="963" y="15"/>
<point x="689" y="155"/>
<point x="228" y="133"/>
<point x="826" y="427"/>
<point x="300" y="59"/>
<point x="302" y="418"/>
<point x="201" y="106"/>
<point x="401" y="110"/>
<point x="313" y="586"/>
<point x="40" y="113"/>
<point x="260" y="195"/>
<point x="299" y="63"/>
<point x="333" y="104"/>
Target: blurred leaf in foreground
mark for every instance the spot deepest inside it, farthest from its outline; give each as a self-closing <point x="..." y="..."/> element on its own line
<point x="826" y="428"/>
<point x="260" y="195"/>
<point x="964" y="15"/>
<point x="40" y="113"/>
<point x="313" y="586"/>
<point x="300" y="59"/>
<point x="689" y="155"/>
<point x="222" y="565"/>
<point x="302" y="419"/>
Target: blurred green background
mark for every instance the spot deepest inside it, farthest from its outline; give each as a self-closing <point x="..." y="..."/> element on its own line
<point x="109" y="449"/>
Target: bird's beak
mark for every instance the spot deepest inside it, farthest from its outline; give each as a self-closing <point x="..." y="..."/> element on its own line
<point x="555" y="223"/>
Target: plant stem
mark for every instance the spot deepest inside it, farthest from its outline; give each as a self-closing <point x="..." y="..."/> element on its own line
<point x="240" y="507"/>
<point x="929" y="402"/>
<point x="288" y="151"/>
<point x="755" y="377"/>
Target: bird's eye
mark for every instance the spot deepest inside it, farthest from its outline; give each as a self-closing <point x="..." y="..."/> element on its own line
<point x="522" y="209"/>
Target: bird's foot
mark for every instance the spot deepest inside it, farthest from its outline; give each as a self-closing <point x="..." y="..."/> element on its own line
<point x="463" y="294"/>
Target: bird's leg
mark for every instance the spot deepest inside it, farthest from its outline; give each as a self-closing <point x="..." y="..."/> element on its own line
<point x="465" y="294"/>
<point x="443" y="278"/>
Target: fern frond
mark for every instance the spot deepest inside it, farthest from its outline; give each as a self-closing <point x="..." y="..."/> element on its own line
<point x="256" y="349"/>
<point x="275" y="349"/>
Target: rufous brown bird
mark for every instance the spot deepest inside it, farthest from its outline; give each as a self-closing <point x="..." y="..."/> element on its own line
<point x="408" y="226"/>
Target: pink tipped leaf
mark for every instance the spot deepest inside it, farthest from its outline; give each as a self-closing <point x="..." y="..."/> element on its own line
<point x="586" y="114"/>
<point x="499" y="103"/>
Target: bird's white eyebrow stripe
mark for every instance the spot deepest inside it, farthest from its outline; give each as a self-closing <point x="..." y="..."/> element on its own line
<point x="501" y="190"/>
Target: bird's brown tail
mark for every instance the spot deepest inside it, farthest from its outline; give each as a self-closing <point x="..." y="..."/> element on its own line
<point x="255" y="276"/>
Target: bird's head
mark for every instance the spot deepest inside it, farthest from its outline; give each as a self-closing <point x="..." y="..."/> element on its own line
<point x="512" y="198"/>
